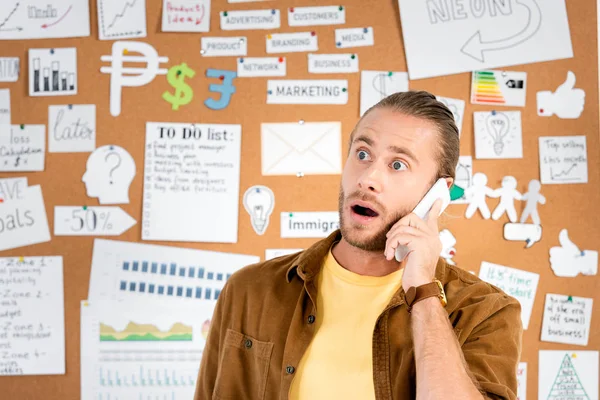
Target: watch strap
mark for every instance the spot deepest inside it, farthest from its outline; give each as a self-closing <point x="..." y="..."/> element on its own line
<point x="416" y="294"/>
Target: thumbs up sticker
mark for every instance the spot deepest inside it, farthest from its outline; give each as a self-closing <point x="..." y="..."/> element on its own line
<point x="567" y="260"/>
<point x="566" y="101"/>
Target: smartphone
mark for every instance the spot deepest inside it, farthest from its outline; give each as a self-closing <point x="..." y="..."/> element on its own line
<point x="438" y="191"/>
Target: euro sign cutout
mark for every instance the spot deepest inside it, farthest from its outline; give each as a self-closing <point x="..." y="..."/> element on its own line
<point x="121" y="76"/>
<point x="183" y="92"/>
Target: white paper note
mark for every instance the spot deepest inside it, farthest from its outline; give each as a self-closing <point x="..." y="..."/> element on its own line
<point x="53" y="72"/>
<point x="563" y="159"/>
<point x="261" y="66"/>
<point x="250" y="19"/>
<point x="9" y="69"/>
<point x="315" y="91"/>
<point x="223" y="46"/>
<point x="498" y="134"/>
<point x="522" y="381"/>
<point x="34" y="19"/>
<point x="167" y="342"/>
<point x="377" y="85"/>
<point x="32" y="316"/>
<point x="568" y="375"/>
<point x="191" y="183"/>
<point x="567" y="319"/>
<point x="354" y="37"/>
<point x="186" y="16"/>
<point x="448" y="37"/>
<point x="23" y="221"/>
<point x="309" y="148"/>
<point x="72" y="128"/>
<point x="121" y="19"/>
<point x="23" y="148"/>
<point x="568" y="260"/>
<point x="173" y="276"/>
<point x="292" y="42"/>
<point x="457" y="106"/>
<point x="317" y="224"/>
<point x="332" y="63"/>
<point x="274" y="253"/>
<point x="4" y="111"/>
<point x="464" y="177"/>
<point x="12" y="189"/>
<point x="517" y="283"/>
<point x="324" y="15"/>
<point x="501" y="88"/>
<point x="91" y="221"/>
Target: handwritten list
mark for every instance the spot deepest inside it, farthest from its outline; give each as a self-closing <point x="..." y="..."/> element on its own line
<point x="23" y="148"/>
<point x="567" y="319"/>
<point x="32" y="335"/>
<point x="191" y="182"/>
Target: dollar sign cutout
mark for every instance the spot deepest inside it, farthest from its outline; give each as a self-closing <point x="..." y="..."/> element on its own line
<point x="183" y="92"/>
<point x="379" y="84"/>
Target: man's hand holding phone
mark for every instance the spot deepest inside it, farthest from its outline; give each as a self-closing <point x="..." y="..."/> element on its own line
<point x="422" y="239"/>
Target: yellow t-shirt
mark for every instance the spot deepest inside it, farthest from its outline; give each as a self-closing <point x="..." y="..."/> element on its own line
<point x="338" y="363"/>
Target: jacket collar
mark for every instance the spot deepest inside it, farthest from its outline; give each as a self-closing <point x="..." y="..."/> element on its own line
<point x="308" y="263"/>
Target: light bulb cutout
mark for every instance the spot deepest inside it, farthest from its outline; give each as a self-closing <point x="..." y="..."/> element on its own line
<point x="498" y="125"/>
<point x="259" y="202"/>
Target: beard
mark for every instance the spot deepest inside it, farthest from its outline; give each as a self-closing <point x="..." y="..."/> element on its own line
<point x="356" y="234"/>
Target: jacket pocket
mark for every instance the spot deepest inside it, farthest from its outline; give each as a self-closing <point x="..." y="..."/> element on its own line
<point x="243" y="367"/>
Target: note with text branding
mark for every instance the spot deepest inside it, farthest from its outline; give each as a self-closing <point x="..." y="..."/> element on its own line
<point x="354" y="37"/>
<point x="517" y="283"/>
<point x="332" y="63"/>
<point x="186" y="16"/>
<point x="72" y="128"/>
<point x="317" y="91"/>
<point x="323" y="15"/>
<point x="563" y="159"/>
<point x="261" y="66"/>
<point x="315" y="224"/>
<point x="191" y="183"/>
<point x="223" y="46"/>
<point x="250" y="19"/>
<point x="32" y="322"/>
<point x="292" y="42"/>
<point x="23" y="148"/>
<point x="567" y="319"/>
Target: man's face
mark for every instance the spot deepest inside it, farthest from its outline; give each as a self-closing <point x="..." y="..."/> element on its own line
<point x="391" y="165"/>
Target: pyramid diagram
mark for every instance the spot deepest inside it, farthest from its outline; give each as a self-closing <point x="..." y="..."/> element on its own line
<point x="567" y="384"/>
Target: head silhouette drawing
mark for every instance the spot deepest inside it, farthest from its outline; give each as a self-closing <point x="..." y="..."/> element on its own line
<point x="109" y="173"/>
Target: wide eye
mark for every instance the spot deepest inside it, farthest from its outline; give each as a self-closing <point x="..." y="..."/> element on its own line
<point x="398" y="165"/>
<point x="362" y="155"/>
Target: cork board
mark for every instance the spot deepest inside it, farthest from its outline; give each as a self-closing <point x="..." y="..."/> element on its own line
<point x="573" y="206"/>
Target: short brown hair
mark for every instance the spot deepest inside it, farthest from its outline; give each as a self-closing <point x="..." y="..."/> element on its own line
<point x="422" y="104"/>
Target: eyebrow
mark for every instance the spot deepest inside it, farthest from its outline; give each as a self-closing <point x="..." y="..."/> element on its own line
<point x="394" y="149"/>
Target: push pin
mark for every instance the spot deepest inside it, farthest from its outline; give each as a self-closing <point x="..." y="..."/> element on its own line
<point x="493" y="112"/>
<point x="242" y="40"/>
<point x="202" y="51"/>
<point x="300" y="174"/>
<point x="70" y="106"/>
<point x="301" y="122"/>
<point x="51" y="51"/>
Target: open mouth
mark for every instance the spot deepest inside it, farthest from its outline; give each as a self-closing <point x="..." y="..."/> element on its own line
<point x="364" y="211"/>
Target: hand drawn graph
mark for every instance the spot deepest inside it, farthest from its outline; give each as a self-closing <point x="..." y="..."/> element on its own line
<point x="121" y="19"/>
<point x="52" y="72"/>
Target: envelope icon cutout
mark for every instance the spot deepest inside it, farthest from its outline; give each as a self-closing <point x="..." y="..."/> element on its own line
<point x="311" y="148"/>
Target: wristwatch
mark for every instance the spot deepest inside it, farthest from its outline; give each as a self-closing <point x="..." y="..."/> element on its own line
<point x="431" y="289"/>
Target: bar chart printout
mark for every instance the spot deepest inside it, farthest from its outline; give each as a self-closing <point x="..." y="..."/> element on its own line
<point x="53" y="72"/>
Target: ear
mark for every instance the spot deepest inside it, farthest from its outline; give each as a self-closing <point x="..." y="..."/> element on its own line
<point x="449" y="182"/>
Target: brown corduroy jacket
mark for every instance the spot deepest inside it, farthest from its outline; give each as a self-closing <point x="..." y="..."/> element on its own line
<point x="264" y="321"/>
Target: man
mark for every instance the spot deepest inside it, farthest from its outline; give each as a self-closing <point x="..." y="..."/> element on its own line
<point x="344" y="319"/>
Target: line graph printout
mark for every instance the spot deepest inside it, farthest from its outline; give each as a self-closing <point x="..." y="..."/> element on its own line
<point x="444" y="37"/>
<point x="138" y="351"/>
<point x="121" y="19"/>
<point x="126" y="272"/>
<point x="563" y="159"/>
<point x="35" y="19"/>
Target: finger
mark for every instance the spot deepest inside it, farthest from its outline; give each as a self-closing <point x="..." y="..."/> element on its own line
<point x="568" y="84"/>
<point x="400" y="239"/>
<point x="434" y="214"/>
<point x="412" y="220"/>
<point x="404" y="229"/>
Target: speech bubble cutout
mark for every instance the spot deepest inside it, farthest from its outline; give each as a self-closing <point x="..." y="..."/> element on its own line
<point x="568" y="261"/>
<point x="529" y="233"/>
<point x="566" y="101"/>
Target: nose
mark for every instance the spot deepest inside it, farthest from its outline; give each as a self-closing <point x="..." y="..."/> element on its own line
<point x="372" y="179"/>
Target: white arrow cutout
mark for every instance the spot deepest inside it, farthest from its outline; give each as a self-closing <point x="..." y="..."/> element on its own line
<point x="475" y="47"/>
<point x="91" y="221"/>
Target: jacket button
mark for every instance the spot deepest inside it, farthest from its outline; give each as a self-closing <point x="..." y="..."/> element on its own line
<point x="248" y="343"/>
<point x="290" y="370"/>
<point x="311" y="319"/>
